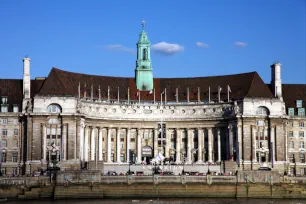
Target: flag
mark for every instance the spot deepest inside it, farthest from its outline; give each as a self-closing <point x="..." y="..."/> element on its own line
<point x="220" y="89"/>
<point x="163" y="92"/>
<point x="229" y="88"/>
<point x="138" y="93"/>
<point x="151" y="92"/>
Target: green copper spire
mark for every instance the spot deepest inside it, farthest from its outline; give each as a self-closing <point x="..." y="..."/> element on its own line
<point x="143" y="71"/>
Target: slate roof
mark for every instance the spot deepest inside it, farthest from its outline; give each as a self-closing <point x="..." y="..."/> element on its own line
<point x="292" y="93"/>
<point x="64" y="83"/>
<point x="12" y="88"/>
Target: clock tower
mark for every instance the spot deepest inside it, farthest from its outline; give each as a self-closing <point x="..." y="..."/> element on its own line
<point x="143" y="71"/>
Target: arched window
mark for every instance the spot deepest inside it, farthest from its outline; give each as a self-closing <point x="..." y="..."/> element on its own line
<point x="54" y="108"/>
<point x="144" y="54"/>
<point x="262" y="111"/>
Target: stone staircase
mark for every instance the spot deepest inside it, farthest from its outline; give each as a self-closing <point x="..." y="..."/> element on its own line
<point x="37" y="192"/>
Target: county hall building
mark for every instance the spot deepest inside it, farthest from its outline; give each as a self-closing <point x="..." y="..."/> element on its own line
<point x="76" y="121"/>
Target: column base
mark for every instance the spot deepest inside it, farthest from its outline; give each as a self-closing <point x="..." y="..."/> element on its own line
<point x="199" y="162"/>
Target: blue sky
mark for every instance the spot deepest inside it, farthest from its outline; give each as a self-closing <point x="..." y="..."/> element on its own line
<point x="205" y="37"/>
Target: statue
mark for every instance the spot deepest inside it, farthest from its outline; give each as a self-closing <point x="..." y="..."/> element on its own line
<point x="236" y="108"/>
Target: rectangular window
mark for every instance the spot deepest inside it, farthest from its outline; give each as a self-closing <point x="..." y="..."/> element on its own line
<point x="15" y="143"/>
<point x="3" y="171"/>
<point x="15" y="157"/>
<point x="122" y="157"/>
<point x="3" y="157"/>
<point x="15" y="171"/>
<point x="301" y="134"/>
<point x="4" y="108"/>
<point x="16" y="132"/>
<point x="302" y="157"/>
<point x="3" y="143"/>
<point x="302" y="144"/>
<point x="299" y="103"/>
<point x="15" y="108"/>
<point x="4" y="100"/>
<point x="301" y="123"/>
<point x="292" y="144"/>
<point x="291" y="158"/>
<point x="291" y="111"/>
<point x="4" y="121"/>
<point x="4" y="132"/>
<point x="290" y="133"/>
<point x="301" y="111"/>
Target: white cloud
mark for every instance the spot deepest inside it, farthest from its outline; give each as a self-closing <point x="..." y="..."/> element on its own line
<point x="167" y="48"/>
<point x="120" y="48"/>
<point x="202" y="45"/>
<point x="240" y="44"/>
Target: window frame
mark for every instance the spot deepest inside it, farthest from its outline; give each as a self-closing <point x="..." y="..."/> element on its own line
<point x="299" y="103"/>
<point x="291" y="111"/>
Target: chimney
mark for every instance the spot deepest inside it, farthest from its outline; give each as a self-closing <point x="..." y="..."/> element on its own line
<point x="276" y="81"/>
<point x="26" y="78"/>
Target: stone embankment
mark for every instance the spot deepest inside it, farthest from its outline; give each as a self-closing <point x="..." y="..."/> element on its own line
<point x="89" y="184"/>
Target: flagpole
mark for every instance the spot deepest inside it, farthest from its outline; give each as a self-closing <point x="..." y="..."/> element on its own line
<point x="128" y="94"/>
<point x="198" y="94"/>
<point x="79" y="90"/>
<point x="227" y="93"/>
<point x="99" y="93"/>
<point x="219" y="94"/>
<point x="91" y="93"/>
<point x="188" y="94"/>
<point x="85" y="92"/>
<point x="165" y="96"/>
<point x="118" y="94"/>
<point x="161" y="99"/>
<point x="139" y="96"/>
<point x="176" y="95"/>
<point x="209" y="94"/>
<point x="108" y="98"/>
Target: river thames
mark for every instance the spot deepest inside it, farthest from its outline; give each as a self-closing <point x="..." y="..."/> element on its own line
<point x="165" y="201"/>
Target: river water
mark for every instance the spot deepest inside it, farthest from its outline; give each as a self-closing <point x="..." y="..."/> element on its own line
<point x="165" y="201"/>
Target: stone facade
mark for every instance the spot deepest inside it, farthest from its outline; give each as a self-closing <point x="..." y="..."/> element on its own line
<point x="55" y="126"/>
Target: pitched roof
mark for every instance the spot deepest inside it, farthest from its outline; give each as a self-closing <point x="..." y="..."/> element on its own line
<point x="12" y="89"/>
<point x="292" y="93"/>
<point x="65" y="83"/>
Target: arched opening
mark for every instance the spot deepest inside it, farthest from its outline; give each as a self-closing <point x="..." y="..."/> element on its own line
<point x="144" y="54"/>
<point x="263" y="111"/>
<point x="54" y="108"/>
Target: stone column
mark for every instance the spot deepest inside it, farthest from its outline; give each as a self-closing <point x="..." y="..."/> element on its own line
<point x="86" y="144"/>
<point x="100" y="144"/>
<point x="44" y="143"/>
<point x="155" y="142"/>
<point x="200" y="138"/>
<point x="92" y="144"/>
<point x="231" y="141"/>
<point x="239" y="140"/>
<point x="272" y="150"/>
<point x="178" y="141"/>
<point x="81" y="142"/>
<point x="64" y="142"/>
<point x="109" y="148"/>
<point x="139" y="136"/>
<point x="210" y="144"/>
<point x="118" y="153"/>
<point x="167" y="148"/>
<point x="189" y="158"/>
<point x="253" y="130"/>
<point x="128" y="145"/>
<point x="219" y="144"/>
